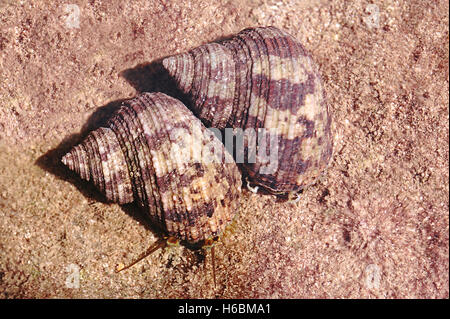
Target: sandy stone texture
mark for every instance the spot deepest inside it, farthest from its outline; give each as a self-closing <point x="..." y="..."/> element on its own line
<point x="376" y="226"/>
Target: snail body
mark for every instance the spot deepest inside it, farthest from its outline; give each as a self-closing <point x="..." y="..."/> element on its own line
<point x="262" y="79"/>
<point x="155" y="152"/>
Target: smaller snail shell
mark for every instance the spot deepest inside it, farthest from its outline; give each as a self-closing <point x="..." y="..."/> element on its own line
<point x="155" y="152"/>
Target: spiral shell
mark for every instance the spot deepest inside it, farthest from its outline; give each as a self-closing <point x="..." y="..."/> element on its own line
<point x="262" y="78"/>
<point x="156" y="152"/>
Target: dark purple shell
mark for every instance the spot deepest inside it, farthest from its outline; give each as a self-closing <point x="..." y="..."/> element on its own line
<point x="156" y="152"/>
<point x="262" y="81"/>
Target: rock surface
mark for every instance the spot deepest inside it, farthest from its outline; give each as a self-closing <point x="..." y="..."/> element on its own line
<point x="375" y="227"/>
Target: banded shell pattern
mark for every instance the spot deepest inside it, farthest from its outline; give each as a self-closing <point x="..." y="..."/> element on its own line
<point x="154" y="151"/>
<point x="262" y="78"/>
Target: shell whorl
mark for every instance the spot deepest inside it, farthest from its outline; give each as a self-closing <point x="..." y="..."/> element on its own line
<point x="156" y="152"/>
<point x="100" y="159"/>
<point x="207" y="74"/>
<point x="262" y="78"/>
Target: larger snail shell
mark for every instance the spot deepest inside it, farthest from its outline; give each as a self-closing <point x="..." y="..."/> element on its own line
<point x="156" y="152"/>
<point x="262" y="78"/>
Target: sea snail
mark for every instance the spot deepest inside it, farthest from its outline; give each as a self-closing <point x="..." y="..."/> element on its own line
<point x="155" y="152"/>
<point x="262" y="81"/>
